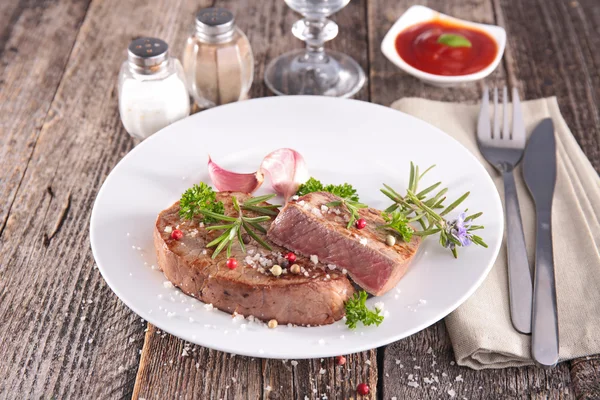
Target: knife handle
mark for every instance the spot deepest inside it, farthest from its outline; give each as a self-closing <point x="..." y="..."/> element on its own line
<point x="544" y="340"/>
<point x="519" y="274"/>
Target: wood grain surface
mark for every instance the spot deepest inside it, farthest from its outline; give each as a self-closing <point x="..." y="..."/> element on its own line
<point x="64" y="334"/>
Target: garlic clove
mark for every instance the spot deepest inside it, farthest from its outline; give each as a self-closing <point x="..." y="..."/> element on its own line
<point x="225" y="180"/>
<point x="286" y="169"/>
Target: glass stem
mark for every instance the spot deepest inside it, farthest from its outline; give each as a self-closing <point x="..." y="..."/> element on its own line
<point x="315" y="32"/>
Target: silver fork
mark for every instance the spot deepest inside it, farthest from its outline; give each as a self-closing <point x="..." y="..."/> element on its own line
<point x="504" y="149"/>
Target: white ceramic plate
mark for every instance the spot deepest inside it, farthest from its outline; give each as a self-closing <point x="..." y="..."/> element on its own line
<point x="341" y="140"/>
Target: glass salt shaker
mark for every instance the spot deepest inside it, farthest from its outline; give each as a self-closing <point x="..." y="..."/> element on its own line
<point x="152" y="90"/>
<point x="217" y="59"/>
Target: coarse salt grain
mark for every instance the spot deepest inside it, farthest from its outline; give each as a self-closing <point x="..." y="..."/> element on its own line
<point x="208" y="307"/>
<point x="168" y="284"/>
<point x="413" y="384"/>
<point x="168" y="229"/>
<point x="314" y="259"/>
<point x="459" y="378"/>
<point x="322" y="371"/>
<point x="294" y="363"/>
<point x="301" y="202"/>
<point x="451" y="392"/>
<point x="324" y="208"/>
<point x="295" y="197"/>
<point x="368" y="362"/>
<point x="363" y="241"/>
<point x="171" y="314"/>
<point x="379" y="305"/>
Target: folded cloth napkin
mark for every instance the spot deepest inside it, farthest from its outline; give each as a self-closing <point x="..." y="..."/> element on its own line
<point x="480" y="330"/>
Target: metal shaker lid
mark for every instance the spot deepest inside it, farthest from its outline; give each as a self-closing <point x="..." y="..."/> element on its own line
<point x="215" y="24"/>
<point x="147" y="52"/>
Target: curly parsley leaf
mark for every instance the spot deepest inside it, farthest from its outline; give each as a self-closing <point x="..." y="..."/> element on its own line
<point x="200" y="197"/>
<point x="344" y="190"/>
<point x="357" y="311"/>
<point x="310" y="186"/>
<point x="398" y="222"/>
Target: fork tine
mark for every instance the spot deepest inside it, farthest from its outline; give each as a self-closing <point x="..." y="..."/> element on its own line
<point x="496" y="133"/>
<point x="483" y="123"/>
<point x="505" y="131"/>
<point x="518" y="127"/>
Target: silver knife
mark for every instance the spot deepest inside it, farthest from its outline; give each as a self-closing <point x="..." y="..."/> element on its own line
<point x="539" y="171"/>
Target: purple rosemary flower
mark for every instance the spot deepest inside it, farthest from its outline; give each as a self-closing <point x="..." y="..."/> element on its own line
<point x="459" y="229"/>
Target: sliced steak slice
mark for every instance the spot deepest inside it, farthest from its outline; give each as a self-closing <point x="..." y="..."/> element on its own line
<point x="308" y="228"/>
<point x="314" y="297"/>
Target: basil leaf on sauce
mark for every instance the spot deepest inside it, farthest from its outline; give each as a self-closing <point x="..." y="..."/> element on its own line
<point x="452" y="40"/>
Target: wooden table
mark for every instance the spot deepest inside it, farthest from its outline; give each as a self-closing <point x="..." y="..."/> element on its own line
<point x="64" y="334"/>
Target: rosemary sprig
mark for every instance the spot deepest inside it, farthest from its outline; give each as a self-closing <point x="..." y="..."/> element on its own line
<point x="232" y="231"/>
<point x="416" y="207"/>
<point x="351" y="205"/>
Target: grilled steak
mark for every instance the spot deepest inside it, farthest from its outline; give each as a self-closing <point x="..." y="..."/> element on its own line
<point x="316" y="296"/>
<point x="310" y="229"/>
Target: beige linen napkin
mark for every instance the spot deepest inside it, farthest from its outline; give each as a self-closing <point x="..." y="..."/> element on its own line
<point x="480" y="330"/>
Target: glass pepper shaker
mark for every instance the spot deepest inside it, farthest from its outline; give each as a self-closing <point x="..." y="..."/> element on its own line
<point x="152" y="90"/>
<point x="217" y="59"/>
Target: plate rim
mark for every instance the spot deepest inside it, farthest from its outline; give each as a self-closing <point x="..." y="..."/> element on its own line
<point x="369" y="344"/>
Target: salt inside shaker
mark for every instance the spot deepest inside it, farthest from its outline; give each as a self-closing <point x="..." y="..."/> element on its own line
<point x="217" y="59"/>
<point x="152" y="90"/>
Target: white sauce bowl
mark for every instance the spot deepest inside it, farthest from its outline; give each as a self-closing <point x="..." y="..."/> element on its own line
<point x="418" y="14"/>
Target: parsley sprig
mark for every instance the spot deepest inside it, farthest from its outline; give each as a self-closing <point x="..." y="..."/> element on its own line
<point x="417" y="207"/>
<point x="348" y="195"/>
<point x="200" y="197"/>
<point x="357" y="311"/>
<point x="397" y="222"/>
<point x="344" y="190"/>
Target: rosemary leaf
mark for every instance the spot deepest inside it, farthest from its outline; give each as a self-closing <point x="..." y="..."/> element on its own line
<point x="455" y="204"/>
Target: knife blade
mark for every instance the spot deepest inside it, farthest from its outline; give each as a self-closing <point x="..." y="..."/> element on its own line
<point x="539" y="172"/>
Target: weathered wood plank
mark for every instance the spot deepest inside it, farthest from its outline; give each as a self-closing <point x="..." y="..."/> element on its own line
<point x="426" y="359"/>
<point x="35" y="43"/>
<point x="267" y="25"/>
<point x="64" y="333"/>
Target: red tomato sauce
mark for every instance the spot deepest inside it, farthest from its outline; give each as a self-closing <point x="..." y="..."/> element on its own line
<point x="418" y="46"/>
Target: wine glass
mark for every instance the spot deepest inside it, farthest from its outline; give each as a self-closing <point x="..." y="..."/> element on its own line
<point x="313" y="70"/>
